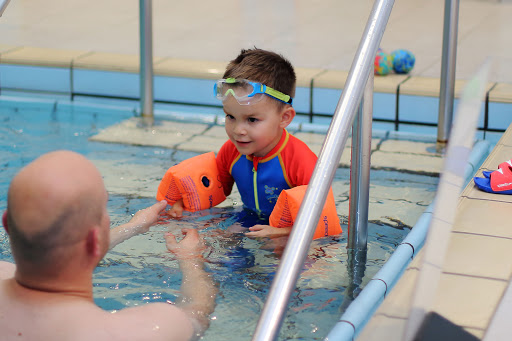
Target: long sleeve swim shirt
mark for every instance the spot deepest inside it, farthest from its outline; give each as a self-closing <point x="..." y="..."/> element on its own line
<point x="260" y="180"/>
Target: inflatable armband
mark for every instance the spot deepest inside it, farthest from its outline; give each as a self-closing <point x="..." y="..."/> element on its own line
<point x="194" y="180"/>
<point x="287" y="207"/>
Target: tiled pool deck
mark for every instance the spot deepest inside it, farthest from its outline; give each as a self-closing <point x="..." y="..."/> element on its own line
<point x="73" y="48"/>
<point x="476" y="272"/>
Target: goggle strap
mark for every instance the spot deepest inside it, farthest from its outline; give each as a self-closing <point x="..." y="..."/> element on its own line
<point x="279" y="95"/>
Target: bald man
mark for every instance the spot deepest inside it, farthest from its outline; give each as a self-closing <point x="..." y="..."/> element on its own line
<point x="59" y="230"/>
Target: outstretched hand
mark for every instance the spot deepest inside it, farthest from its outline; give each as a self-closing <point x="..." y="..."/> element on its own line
<point x="149" y="216"/>
<point x="191" y="246"/>
<point x="140" y="223"/>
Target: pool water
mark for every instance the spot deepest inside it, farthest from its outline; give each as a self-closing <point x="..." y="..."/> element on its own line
<point x="140" y="270"/>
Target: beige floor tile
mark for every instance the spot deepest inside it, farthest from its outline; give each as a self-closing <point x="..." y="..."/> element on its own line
<point x="430" y="86"/>
<point x="110" y="62"/>
<point x="306" y="75"/>
<point x="499" y="327"/>
<point x="502" y="92"/>
<point x="383" y="328"/>
<point x="479" y="333"/>
<point x="166" y="134"/>
<point x="398" y="302"/>
<point x="472" y="192"/>
<point x="331" y="79"/>
<point x="398" y="146"/>
<point x="41" y="56"/>
<point x="493" y="259"/>
<point x="415" y="162"/>
<point x="217" y="131"/>
<point x="499" y="154"/>
<point x="202" y="144"/>
<point x="311" y="138"/>
<point x="190" y="68"/>
<point x="4" y="48"/>
<point x="468" y="301"/>
<point x="483" y="217"/>
<point x="389" y="83"/>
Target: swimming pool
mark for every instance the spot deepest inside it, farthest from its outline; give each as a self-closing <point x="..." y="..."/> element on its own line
<point x="140" y="270"/>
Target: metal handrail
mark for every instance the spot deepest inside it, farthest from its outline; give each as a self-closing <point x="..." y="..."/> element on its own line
<point x="146" y="58"/>
<point x="3" y="6"/>
<point x="448" y="63"/>
<point x="302" y="233"/>
<point x="359" y="198"/>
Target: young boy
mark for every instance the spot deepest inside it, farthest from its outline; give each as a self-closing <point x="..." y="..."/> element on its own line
<point x="261" y="157"/>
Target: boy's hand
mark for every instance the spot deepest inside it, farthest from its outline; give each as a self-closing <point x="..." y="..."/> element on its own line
<point x="268" y="231"/>
<point x="176" y="210"/>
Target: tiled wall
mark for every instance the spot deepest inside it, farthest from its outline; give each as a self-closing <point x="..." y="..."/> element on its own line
<point x="396" y="97"/>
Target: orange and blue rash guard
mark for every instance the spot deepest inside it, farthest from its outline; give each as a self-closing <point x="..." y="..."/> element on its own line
<point x="260" y="180"/>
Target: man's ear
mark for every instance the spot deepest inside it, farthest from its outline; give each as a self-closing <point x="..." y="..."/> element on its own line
<point x="93" y="242"/>
<point x="4" y="222"/>
<point x="287" y="116"/>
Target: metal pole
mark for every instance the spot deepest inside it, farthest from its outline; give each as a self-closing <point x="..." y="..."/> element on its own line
<point x="448" y="63"/>
<point x="3" y="6"/>
<point x="360" y="171"/>
<point x="146" y="58"/>
<point x="312" y="205"/>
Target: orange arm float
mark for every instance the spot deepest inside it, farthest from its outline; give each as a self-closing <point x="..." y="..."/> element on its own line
<point x="194" y="180"/>
<point x="288" y="204"/>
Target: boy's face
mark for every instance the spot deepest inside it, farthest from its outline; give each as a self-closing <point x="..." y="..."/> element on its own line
<point x="257" y="128"/>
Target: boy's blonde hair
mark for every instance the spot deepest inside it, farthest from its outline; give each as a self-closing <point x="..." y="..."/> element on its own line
<point x="264" y="67"/>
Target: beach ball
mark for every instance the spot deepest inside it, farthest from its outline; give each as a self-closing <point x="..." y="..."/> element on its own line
<point x="383" y="63"/>
<point x="403" y="61"/>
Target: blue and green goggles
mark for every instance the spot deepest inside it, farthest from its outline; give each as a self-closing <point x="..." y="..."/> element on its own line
<point x="246" y="92"/>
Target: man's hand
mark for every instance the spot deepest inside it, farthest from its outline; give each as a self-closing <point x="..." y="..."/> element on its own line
<point x="149" y="216"/>
<point x="140" y="223"/>
<point x="191" y="246"/>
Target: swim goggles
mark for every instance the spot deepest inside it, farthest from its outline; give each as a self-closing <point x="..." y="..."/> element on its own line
<point x="246" y="92"/>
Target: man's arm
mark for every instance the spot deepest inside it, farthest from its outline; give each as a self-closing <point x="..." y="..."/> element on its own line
<point x="140" y="223"/>
<point x="197" y="287"/>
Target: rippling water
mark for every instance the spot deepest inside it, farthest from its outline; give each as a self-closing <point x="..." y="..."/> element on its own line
<point x="140" y="270"/>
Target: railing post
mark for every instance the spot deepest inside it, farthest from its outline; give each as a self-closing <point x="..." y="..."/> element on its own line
<point x="3" y="6"/>
<point x="146" y="58"/>
<point x="360" y="171"/>
<point x="448" y="62"/>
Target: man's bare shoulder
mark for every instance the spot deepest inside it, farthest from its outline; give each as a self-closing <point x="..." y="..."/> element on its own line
<point x="160" y="321"/>
<point x="7" y="270"/>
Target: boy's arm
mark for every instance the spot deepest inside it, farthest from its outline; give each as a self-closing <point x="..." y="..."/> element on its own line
<point x="268" y="231"/>
<point x="225" y="157"/>
<point x="140" y="223"/>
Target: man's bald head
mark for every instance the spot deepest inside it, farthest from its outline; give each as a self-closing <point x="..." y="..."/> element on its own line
<point x="52" y="203"/>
